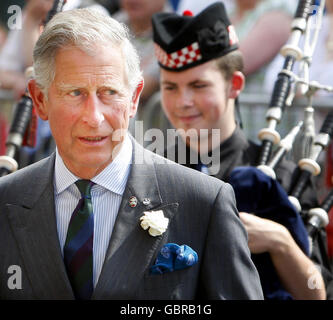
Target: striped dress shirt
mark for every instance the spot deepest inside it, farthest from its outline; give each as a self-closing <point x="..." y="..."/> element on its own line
<point x="106" y="198"/>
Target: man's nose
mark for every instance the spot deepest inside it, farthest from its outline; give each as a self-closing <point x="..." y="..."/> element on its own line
<point x="93" y="114"/>
<point x="185" y="98"/>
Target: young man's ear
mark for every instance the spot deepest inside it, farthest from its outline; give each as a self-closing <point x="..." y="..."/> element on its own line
<point x="237" y="83"/>
<point x="38" y="99"/>
<point x="135" y="99"/>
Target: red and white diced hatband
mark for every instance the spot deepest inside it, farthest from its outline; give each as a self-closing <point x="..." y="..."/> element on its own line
<point x="187" y="55"/>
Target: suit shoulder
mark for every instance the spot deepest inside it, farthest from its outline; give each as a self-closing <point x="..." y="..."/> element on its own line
<point x="22" y="179"/>
<point x="24" y="172"/>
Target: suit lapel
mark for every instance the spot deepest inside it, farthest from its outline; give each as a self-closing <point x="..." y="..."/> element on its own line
<point x="33" y="224"/>
<point x="131" y="248"/>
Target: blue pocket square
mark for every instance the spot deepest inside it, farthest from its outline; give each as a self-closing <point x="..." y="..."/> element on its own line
<point x="174" y="257"/>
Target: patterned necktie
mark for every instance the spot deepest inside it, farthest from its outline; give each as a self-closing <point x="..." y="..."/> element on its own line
<point x="78" y="249"/>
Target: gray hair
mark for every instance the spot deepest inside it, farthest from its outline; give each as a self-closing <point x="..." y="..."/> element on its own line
<point x="83" y="28"/>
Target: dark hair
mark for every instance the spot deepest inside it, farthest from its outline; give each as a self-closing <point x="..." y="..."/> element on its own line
<point x="230" y="63"/>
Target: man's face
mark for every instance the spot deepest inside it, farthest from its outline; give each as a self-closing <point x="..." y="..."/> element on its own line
<point x="88" y="105"/>
<point x="196" y="98"/>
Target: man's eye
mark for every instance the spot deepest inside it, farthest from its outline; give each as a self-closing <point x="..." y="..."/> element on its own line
<point x="107" y="93"/>
<point x="75" y="93"/>
<point x="111" y="92"/>
<point x="199" y="85"/>
<point x="169" y="88"/>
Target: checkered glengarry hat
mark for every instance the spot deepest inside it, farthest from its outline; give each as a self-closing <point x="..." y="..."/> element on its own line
<point x="183" y="42"/>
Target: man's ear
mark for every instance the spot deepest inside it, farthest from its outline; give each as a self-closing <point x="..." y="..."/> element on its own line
<point x="38" y="99"/>
<point x="136" y="98"/>
<point x="237" y="83"/>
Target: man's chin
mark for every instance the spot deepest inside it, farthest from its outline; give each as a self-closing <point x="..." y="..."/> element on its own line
<point x="195" y="134"/>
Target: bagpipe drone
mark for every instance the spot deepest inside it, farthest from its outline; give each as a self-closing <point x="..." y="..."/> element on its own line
<point x="256" y="188"/>
<point x="23" y="128"/>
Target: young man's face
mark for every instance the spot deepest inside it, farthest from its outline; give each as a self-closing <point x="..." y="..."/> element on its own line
<point x="88" y="105"/>
<point x="197" y="98"/>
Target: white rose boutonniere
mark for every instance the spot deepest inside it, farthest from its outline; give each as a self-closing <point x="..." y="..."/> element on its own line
<point x="155" y="221"/>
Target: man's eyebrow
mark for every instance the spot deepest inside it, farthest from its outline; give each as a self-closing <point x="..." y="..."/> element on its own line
<point x="69" y="86"/>
<point x="168" y="82"/>
<point x="66" y="86"/>
<point x="196" y="81"/>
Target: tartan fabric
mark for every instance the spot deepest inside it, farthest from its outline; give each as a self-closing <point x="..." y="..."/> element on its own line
<point x="78" y="249"/>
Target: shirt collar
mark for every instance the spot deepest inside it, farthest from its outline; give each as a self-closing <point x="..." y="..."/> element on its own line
<point x="113" y="177"/>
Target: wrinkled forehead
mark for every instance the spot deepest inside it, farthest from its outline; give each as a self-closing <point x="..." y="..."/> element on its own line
<point x="93" y="50"/>
<point x="75" y="66"/>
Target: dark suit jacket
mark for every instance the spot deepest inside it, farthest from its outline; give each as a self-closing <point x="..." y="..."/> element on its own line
<point x="202" y="215"/>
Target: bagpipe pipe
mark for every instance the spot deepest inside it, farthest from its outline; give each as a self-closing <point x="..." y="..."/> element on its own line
<point x="258" y="189"/>
<point x="23" y="128"/>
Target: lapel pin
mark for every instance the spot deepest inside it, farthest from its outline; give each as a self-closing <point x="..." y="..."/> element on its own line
<point x="133" y="201"/>
<point x="146" y="201"/>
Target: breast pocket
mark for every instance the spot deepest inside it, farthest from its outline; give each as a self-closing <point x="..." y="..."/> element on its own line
<point x="180" y="284"/>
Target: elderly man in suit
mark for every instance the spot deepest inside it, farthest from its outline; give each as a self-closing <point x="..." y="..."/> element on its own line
<point x="102" y="218"/>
